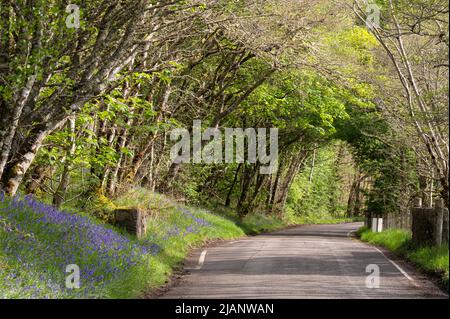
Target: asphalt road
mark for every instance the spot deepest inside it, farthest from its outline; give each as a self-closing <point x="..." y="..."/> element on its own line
<point x="317" y="261"/>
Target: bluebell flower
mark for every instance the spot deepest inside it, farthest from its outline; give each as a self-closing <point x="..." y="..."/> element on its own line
<point x="101" y="253"/>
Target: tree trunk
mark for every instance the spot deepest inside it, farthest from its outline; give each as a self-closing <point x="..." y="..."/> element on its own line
<point x="115" y="173"/>
<point x="354" y="198"/>
<point x="444" y="192"/>
<point x="58" y="197"/>
<point x="15" y="171"/>
<point x="293" y="169"/>
<point x="274" y="190"/>
<point x="37" y="178"/>
<point x="157" y="166"/>
<point x="260" y="180"/>
<point x="313" y="162"/>
<point x="140" y="157"/>
<point x="351" y="199"/>
<point x="230" y="191"/>
<point x="242" y="205"/>
<point x="8" y="134"/>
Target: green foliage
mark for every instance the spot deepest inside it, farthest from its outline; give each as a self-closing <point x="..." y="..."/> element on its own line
<point x="356" y="42"/>
<point x="321" y="197"/>
<point x="398" y="241"/>
<point x="433" y="260"/>
<point x="300" y="101"/>
<point x="389" y="164"/>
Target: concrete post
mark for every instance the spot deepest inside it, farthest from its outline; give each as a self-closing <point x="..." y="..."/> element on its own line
<point x="377" y="225"/>
<point x="374" y="225"/>
<point x="423" y="226"/>
<point x="417" y="202"/>
<point x="438" y="220"/>
<point x="380" y="225"/>
<point x="445" y="226"/>
<point x="443" y="220"/>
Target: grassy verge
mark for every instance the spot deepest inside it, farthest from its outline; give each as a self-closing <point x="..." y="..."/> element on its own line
<point x="323" y="220"/>
<point x="38" y="242"/>
<point x="314" y="218"/>
<point x="432" y="260"/>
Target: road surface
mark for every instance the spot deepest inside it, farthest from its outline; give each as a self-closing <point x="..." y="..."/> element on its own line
<point x="315" y="261"/>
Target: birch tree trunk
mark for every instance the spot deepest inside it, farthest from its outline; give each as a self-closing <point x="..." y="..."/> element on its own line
<point x="13" y="125"/>
<point x="409" y="59"/>
<point x="293" y="169"/>
<point x="15" y="171"/>
<point x="58" y="198"/>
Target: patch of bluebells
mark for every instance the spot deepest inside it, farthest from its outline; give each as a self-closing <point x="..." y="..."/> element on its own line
<point x="194" y="228"/>
<point x="198" y="220"/>
<point x="44" y="240"/>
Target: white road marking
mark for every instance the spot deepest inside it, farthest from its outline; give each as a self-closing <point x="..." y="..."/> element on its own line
<point x="404" y="273"/>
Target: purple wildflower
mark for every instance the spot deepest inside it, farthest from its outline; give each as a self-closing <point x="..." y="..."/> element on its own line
<point x="198" y="220"/>
<point x="101" y="253"/>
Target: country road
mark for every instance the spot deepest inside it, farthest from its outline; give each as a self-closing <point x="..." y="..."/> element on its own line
<point x="315" y="261"/>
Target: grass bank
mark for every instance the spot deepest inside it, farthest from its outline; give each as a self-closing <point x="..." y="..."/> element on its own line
<point x="38" y="242"/>
<point x="432" y="260"/>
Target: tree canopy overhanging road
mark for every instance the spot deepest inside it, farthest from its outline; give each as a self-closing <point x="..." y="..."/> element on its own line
<point x="181" y="122"/>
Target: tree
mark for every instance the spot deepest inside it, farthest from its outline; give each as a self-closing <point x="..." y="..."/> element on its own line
<point x="50" y="71"/>
<point x="415" y="38"/>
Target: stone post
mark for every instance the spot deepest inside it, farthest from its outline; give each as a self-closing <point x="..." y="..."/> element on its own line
<point x="438" y="220"/>
<point x="444" y="232"/>
<point x="418" y="202"/>
<point x="429" y="224"/>
<point x="134" y="220"/>
<point x="377" y="225"/>
<point x="422" y="226"/>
